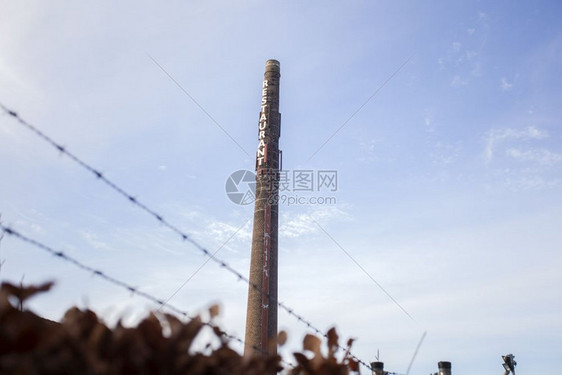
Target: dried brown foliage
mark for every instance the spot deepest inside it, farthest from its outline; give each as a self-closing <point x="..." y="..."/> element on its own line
<point x="320" y="364"/>
<point x="82" y="344"/>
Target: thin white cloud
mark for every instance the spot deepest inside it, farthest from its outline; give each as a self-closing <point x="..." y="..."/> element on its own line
<point x="540" y="156"/>
<point x="445" y="153"/>
<point x="495" y="136"/>
<point x="441" y="63"/>
<point x="476" y="70"/>
<point x="204" y="225"/>
<point x="456" y="46"/>
<point x="429" y="123"/>
<point x="9" y="76"/>
<point x="94" y="241"/>
<point x="302" y="224"/>
<point x="368" y="150"/>
<point x="298" y="226"/>
<point x="526" y="183"/>
<point x="428" y="118"/>
<point x="465" y="55"/>
<point x="458" y="81"/>
<point x="505" y="85"/>
<point x="33" y="227"/>
<point x="190" y="214"/>
<point x="471" y="54"/>
<point x="223" y="231"/>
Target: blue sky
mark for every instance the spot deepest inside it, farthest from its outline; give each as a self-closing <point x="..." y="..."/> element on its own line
<point x="449" y="178"/>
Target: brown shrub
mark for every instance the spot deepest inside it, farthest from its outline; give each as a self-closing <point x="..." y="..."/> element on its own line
<point x="82" y="344"/>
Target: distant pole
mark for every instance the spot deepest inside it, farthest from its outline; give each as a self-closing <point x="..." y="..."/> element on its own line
<point x="444" y="368"/>
<point x="261" y="318"/>
<point x="509" y="364"/>
<point x="378" y="368"/>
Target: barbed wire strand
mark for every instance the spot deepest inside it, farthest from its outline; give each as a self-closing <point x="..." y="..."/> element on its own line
<point x="134" y="290"/>
<point x="184" y="236"/>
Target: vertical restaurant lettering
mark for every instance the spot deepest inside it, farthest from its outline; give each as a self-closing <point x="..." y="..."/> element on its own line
<point x="262" y="124"/>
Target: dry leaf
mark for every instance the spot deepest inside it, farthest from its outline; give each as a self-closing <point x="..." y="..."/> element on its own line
<point x="353" y="365"/>
<point x="214" y="311"/>
<point x="23" y="293"/>
<point x="281" y="338"/>
<point x="332" y="341"/>
<point x="311" y="343"/>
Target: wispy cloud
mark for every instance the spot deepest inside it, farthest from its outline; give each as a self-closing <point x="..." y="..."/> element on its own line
<point x="526" y="183"/>
<point x="521" y="160"/>
<point x="496" y="136"/>
<point x="368" y="150"/>
<point x="456" y="46"/>
<point x="458" y="81"/>
<point x="205" y="225"/>
<point x="94" y="241"/>
<point x="465" y="56"/>
<point x="476" y="70"/>
<point x="222" y="231"/>
<point x="441" y="63"/>
<point x="471" y="54"/>
<point x="302" y="224"/>
<point x="298" y="226"/>
<point x="445" y="153"/>
<point x="505" y="85"/>
<point x="540" y="156"/>
<point x="428" y="120"/>
<point x="9" y="75"/>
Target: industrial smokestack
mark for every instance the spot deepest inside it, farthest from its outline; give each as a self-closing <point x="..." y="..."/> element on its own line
<point x="444" y="368"/>
<point x="261" y="318"/>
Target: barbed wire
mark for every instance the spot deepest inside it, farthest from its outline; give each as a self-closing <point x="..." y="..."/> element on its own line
<point x="184" y="236"/>
<point x="134" y="290"/>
